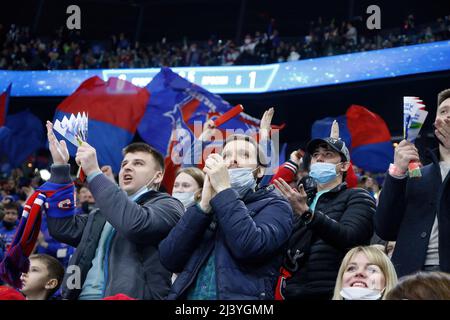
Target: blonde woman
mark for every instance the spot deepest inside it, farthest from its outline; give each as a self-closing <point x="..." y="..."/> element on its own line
<point x="366" y="273"/>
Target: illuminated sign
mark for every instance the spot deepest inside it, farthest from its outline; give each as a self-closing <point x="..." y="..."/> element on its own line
<point x="354" y="67"/>
<point x="237" y="79"/>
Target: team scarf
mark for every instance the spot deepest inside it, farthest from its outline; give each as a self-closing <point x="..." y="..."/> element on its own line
<point x="16" y="260"/>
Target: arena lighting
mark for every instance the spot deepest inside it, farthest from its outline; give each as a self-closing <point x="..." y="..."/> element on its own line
<point x="308" y="73"/>
<point x="45" y="174"/>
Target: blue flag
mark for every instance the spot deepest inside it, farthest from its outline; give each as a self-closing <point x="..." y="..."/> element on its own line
<point x="175" y="102"/>
<point x="24" y="135"/>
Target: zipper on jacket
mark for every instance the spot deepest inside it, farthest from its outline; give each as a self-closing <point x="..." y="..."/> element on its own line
<point x="106" y="262"/>
<point x="197" y="269"/>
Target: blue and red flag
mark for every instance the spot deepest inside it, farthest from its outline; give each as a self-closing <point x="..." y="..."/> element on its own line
<point x="366" y="135"/>
<point x="176" y="103"/>
<point x="114" y="107"/>
<point x="174" y="99"/>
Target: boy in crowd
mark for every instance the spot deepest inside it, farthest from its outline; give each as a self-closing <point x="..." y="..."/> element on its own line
<point x="43" y="278"/>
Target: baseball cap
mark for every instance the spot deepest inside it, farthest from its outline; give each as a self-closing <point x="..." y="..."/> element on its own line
<point x="336" y="144"/>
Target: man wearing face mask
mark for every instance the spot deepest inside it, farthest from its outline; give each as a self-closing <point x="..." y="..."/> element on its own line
<point x="230" y="245"/>
<point x="8" y="225"/>
<point x="326" y="226"/>
<point x="117" y="244"/>
<point x="86" y="200"/>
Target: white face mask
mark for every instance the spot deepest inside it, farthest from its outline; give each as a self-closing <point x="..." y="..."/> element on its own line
<point x="357" y="293"/>
<point x="186" y="198"/>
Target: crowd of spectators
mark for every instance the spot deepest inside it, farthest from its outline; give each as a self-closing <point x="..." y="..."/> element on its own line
<point x="20" y="49"/>
<point x="318" y="206"/>
<point x="16" y="187"/>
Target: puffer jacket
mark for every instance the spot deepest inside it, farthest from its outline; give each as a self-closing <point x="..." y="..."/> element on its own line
<point x="343" y="219"/>
<point x="248" y="237"/>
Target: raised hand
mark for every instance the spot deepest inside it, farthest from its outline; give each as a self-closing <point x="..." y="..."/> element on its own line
<point x="58" y="149"/>
<point x="297" y="199"/>
<point x="296" y="156"/>
<point x="209" y="131"/>
<point x="217" y="172"/>
<point x="87" y="158"/>
<point x="404" y="154"/>
<point x="442" y="131"/>
<point x="207" y="194"/>
<point x="265" y="125"/>
<point x="107" y="171"/>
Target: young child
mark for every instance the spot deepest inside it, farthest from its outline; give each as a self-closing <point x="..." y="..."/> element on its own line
<point x="9" y="223"/>
<point x="43" y="278"/>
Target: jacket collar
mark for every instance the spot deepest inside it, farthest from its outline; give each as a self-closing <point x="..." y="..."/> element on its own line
<point x="339" y="187"/>
<point x="434" y="155"/>
<point x="143" y="198"/>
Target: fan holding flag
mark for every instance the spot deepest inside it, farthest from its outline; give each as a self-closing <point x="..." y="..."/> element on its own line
<point x="416" y="212"/>
<point x="117" y="244"/>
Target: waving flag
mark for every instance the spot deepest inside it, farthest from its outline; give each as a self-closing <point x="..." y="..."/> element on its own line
<point x="4" y="102"/>
<point x="5" y="133"/>
<point x="176" y="103"/>
<point x="114" y="108"/>
<point x="23" y="136"/>
<point x="366" y="135"/>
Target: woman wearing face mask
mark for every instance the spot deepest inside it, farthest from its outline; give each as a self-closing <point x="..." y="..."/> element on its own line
<point x="188" y="186"/>
<point x="366" y="273"/>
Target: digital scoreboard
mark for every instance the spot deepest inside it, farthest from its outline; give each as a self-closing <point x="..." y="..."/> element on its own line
<point x="307" y="73"/>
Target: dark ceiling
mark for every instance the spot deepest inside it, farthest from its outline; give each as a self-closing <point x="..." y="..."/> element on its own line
<point x="199" y="19"/>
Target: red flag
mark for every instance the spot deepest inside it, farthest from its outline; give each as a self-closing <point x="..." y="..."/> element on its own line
<point x="117" y="102"/>
<point x="4" y="101"/>
<point x="366" y="127"/>
<point x="114" y="107"/>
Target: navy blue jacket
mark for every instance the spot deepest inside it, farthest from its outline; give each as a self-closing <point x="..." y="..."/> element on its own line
<point x="406" y="212"/>
<point x="249" y="237"/>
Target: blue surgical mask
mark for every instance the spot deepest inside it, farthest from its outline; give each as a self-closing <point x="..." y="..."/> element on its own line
<point x="242" y="180"/>
<point x="186" y="198"/>
<point x="323" y="172"/>
<point x="145" y="188"/>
